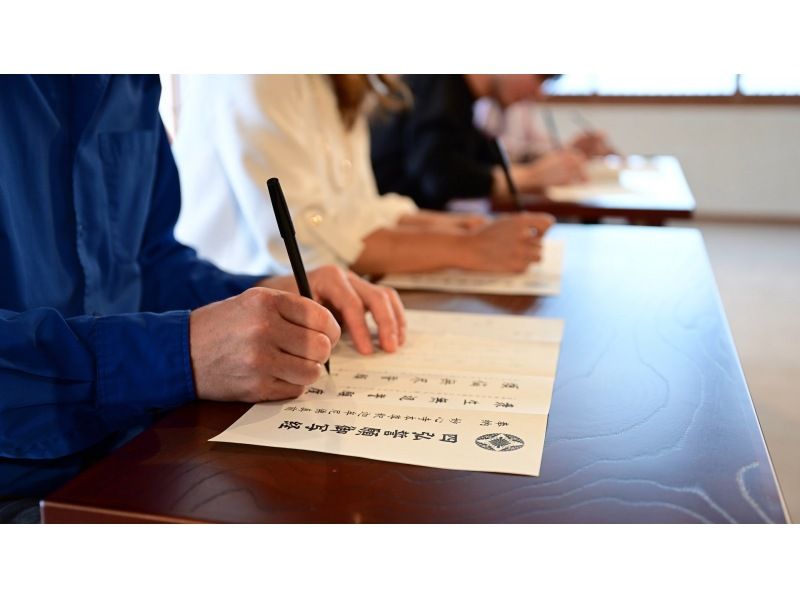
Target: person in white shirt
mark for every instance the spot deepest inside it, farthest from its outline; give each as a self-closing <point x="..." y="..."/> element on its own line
<point x="310" y="131"/>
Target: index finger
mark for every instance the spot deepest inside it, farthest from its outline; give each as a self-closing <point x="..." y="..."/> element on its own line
<point x="399" y="313"/>
<point x="387" y="310"/>
<point x="344" y="298"/>
<point x="383" y="312"/>
<point x="308" y="314"/>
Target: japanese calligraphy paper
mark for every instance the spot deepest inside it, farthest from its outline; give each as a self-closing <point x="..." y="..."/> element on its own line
<point x="541" y="278"/>
<point x="617" y="178"/>
<point x="466" y="391"/>
<point x="586" y="191"/>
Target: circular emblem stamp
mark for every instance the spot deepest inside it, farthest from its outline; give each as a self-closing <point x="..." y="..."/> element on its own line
<point x="500" y="442"/>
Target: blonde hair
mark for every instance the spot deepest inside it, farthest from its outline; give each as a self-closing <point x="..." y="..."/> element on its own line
<point x="369" y="93"/>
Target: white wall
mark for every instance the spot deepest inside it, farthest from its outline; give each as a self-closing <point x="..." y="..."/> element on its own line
<point x="739" y="160"/>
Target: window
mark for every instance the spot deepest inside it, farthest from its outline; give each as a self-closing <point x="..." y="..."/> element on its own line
<point x="724" y="88"/>
<point x="769" y="84"/>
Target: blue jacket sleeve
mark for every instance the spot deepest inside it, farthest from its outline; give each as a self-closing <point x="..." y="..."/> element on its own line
<point x="68" y="383"/>
<point x="173" y="276"/>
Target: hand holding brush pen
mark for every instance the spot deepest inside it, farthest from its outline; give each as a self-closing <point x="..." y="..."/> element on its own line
<point x="284" y="219"/>
<point x="591" y="142"/>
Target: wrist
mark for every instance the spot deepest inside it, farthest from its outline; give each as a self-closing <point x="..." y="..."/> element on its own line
<point x="468" y="252"/>
<point x="284" y="283"/>
<point x="409" y="220"/>
<point x="447" y="249"/>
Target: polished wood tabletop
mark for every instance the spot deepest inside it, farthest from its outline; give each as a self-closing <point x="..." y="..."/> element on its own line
<point x="651" y="421"/>
<point x="657" y="192"/>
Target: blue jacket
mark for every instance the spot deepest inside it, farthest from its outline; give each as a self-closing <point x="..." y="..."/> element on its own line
<point x="94" y="289"/>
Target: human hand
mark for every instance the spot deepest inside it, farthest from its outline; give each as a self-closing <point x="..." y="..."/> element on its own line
<point x="258" y="346"/>
<point x="591" y="144"/>
<point x="349" y="296"/>
<point x="509" y="244"/>
<point x="560" y="167"/>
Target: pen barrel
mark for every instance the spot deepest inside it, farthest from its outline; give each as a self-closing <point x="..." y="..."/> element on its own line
<point x="284" y="219"/>
<point x="501" y="156"/>
<point x="286" y="228"/>
<point x="280" y="208"/>
<point x="298" y="269"/>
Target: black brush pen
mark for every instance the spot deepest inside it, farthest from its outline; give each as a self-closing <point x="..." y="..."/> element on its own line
<point x="501" y="157"/>
<point x="286" y="228"/>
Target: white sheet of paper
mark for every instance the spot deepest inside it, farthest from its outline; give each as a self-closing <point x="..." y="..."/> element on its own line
<point x="612" y="176"/>
<point x="585" y="191"/>
<point x="542" y="278"/>
<point x="466" y="391"/>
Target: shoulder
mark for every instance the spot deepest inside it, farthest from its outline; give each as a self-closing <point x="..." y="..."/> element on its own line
<point x="440" y="98"/>
<point x="439" y="85"/>
<point x="284" y="101"/>
<point x="269" y="89"/>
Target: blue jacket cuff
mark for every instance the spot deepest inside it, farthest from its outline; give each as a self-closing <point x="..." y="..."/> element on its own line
<point x="143" y="360"/>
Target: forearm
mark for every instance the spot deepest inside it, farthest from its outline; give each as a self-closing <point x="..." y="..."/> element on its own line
<point x="66" y="384"/>
<point x="404" y="249"/>
<point x="443" y="222"/>
<point x="525" y="177"/>
<point x="422" y="219"/>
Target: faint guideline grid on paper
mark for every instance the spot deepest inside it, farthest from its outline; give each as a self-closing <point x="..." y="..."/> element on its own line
<point x="469" y="392"/>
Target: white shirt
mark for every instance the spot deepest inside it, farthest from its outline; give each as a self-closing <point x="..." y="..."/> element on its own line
<point x="235" y="132"/>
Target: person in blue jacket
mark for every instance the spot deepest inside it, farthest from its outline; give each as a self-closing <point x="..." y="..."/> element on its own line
<point x="105" y="319"/>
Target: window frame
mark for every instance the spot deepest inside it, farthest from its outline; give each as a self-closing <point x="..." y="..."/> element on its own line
<point x="737" y="98"/>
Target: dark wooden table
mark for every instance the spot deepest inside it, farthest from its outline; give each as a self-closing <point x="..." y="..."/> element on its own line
<point x="659" y="193"/>
<point x="651" y="421"/>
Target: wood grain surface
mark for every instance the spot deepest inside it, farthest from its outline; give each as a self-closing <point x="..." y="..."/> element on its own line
<point x="651" y="421"/>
